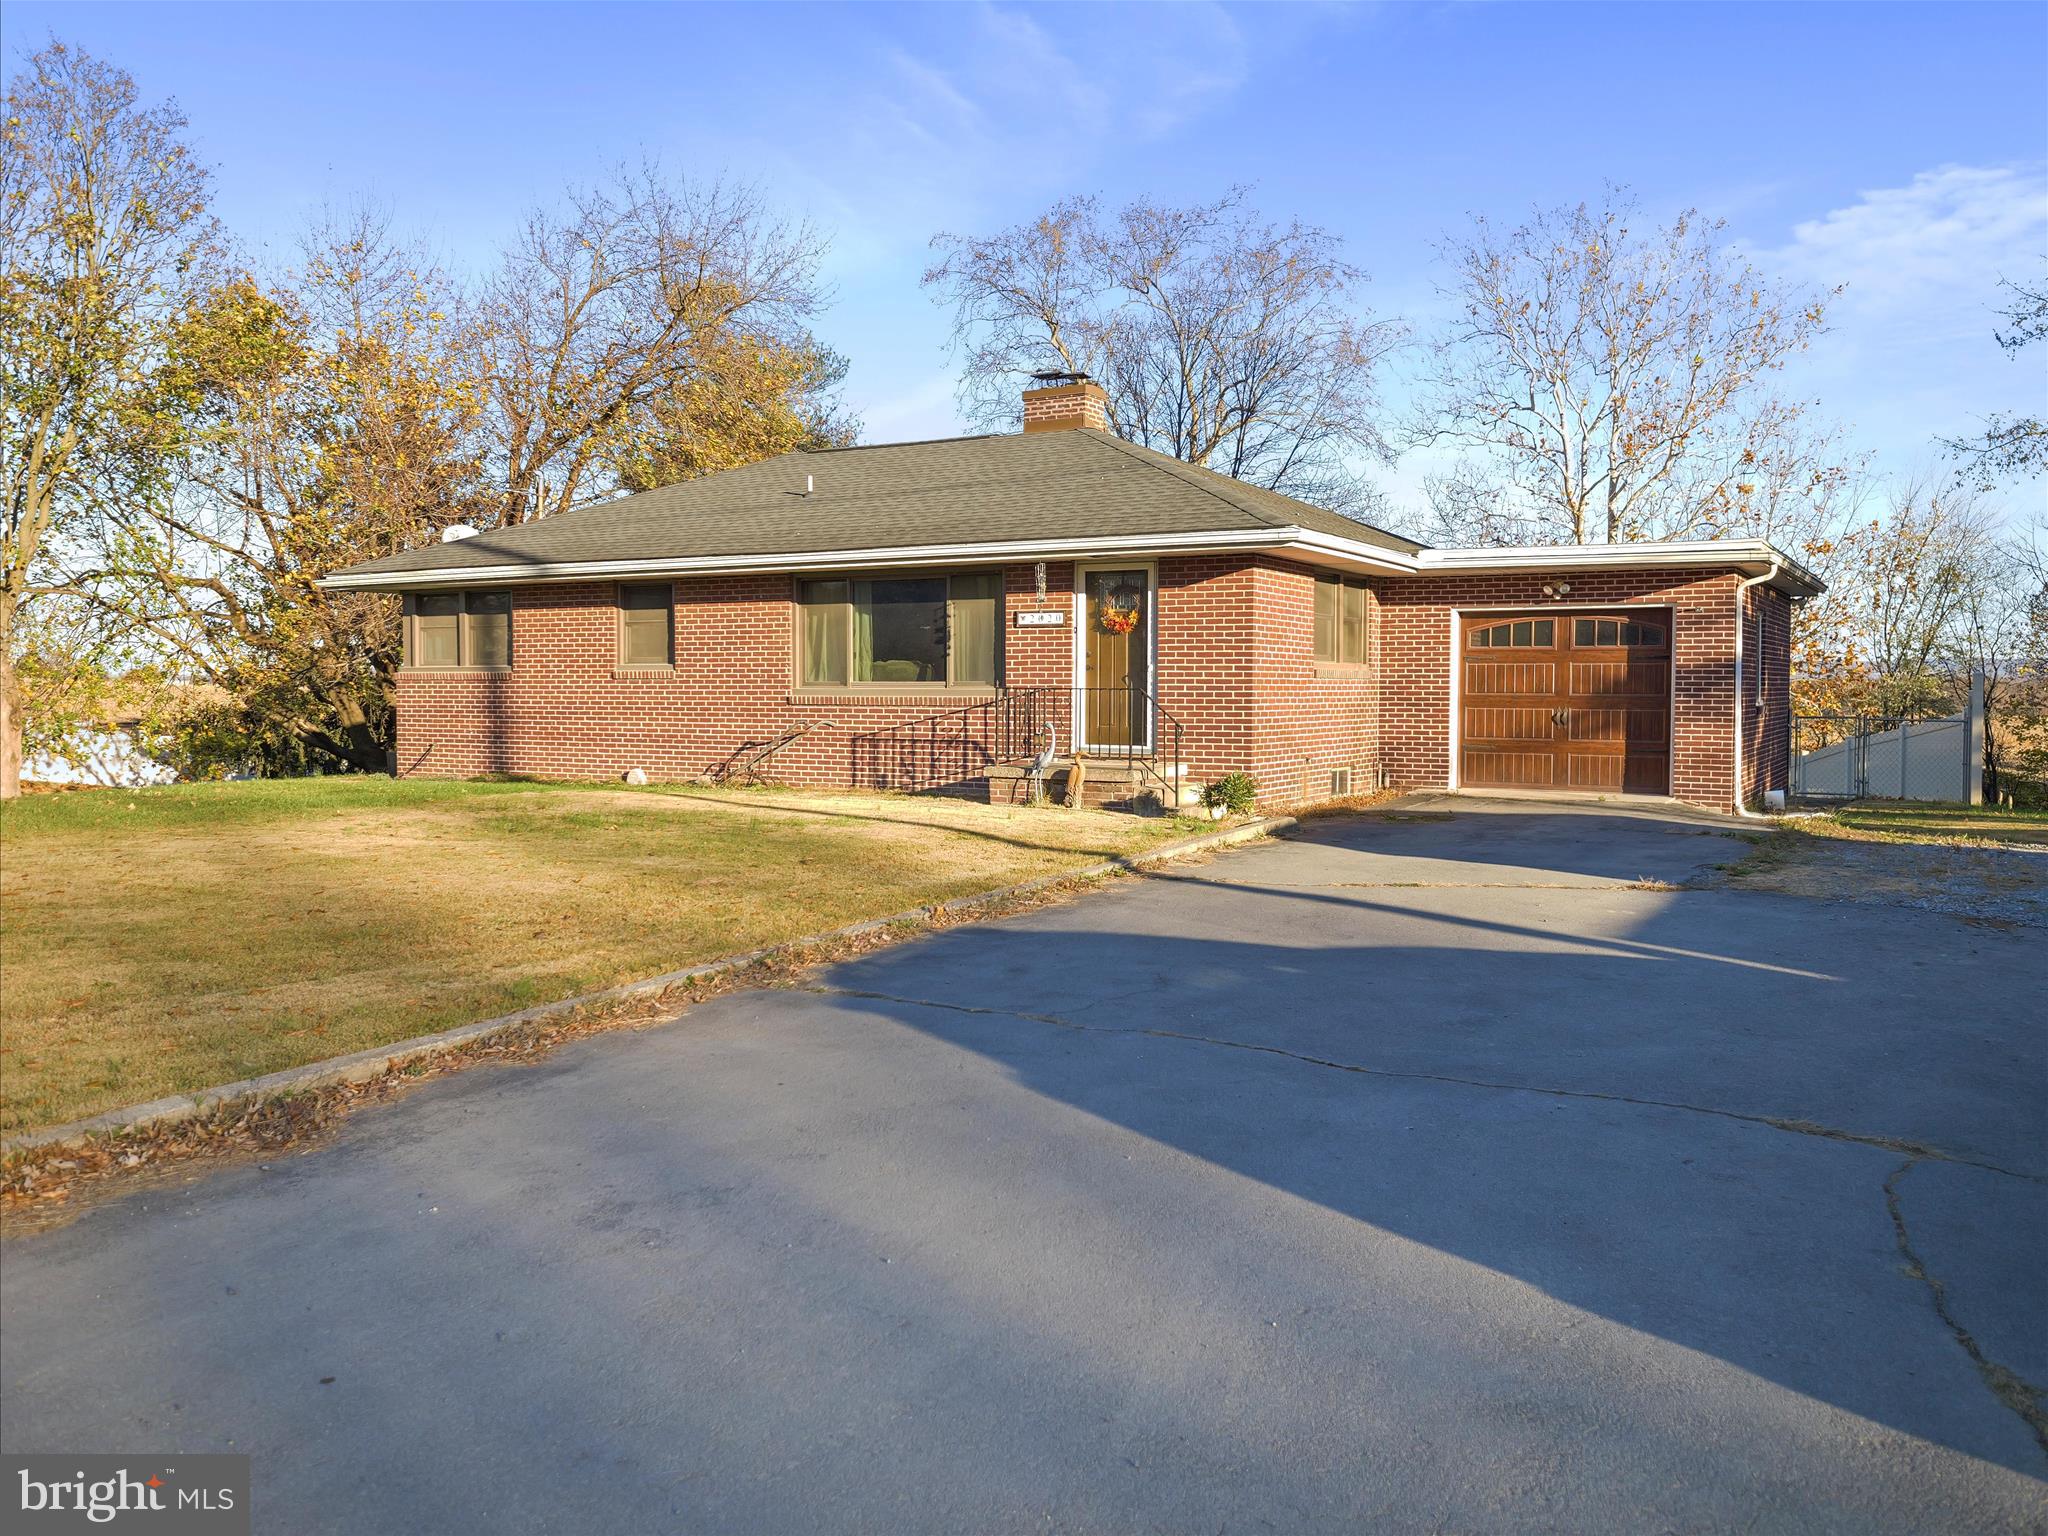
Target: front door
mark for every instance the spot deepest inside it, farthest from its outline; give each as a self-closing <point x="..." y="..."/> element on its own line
<point x="1567" y="701"/>
<point x="1116" y="658"/>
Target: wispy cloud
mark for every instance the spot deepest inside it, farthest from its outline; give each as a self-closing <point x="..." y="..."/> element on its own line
<point x="990" y="104"/>
<point x="1928" y="254"/>
<point x="983" y="117"/>
<point x="1909" y="355"/>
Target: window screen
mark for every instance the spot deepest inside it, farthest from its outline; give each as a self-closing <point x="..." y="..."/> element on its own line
<point x="1354" y="625"/>
<point x="647" y="625"/>
<point x="1329" y="607"/>
<point x="824" y="634"/>
<point x="459" y="629"/>
<point x="487" y="620"/>
<point x="900" y="629"/>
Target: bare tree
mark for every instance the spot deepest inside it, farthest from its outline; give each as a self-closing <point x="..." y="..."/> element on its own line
<point x="102" y="215"/>
<point x="1996" y="636"/>
<point x="600" y="311"/>
<point x="2014" y="446"/>
<point x="1609" y="378"/>
<point x="1220" y="338"/>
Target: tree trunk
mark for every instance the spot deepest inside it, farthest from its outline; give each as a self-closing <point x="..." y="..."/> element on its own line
<point x="10" y="704"/>
<point x="10" y="734"/>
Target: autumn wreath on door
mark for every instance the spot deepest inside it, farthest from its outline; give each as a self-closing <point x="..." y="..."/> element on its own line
<point x="1119" y="612"/>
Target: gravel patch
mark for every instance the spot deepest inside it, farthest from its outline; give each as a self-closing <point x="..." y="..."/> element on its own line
<point x="1997" y="883"/>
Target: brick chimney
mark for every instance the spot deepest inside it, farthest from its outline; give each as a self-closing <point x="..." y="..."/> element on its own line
<point x="1063" y="400"/>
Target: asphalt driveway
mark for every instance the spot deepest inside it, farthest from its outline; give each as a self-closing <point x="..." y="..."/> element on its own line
<point x="1448" y="1175"/>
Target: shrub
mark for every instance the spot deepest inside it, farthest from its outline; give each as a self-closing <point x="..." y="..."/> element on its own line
<point x="1234" y="792"/>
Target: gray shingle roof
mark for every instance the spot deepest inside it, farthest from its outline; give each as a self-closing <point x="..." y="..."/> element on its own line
<point x="998" y="489"/>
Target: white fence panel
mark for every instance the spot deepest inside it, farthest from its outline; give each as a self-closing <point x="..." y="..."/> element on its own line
<point x="1829" y="771"/>
<point x="1921" y="760"/>
<point x="1927" y="760"/>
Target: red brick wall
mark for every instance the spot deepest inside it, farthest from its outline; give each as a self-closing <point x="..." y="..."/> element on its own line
<point x="1066" y="405"/>
<point x="1311" y="717"/>
<point x="1767" y="734"/>
<point x="1208" y="608"/>
<point x="1038" y="658"/>
<point x="1235" y="667"/>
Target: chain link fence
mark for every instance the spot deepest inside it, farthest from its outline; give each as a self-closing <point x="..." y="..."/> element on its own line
<point x="1854" y="757"/>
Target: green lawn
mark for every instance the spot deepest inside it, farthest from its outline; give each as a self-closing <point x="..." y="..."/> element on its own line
<point x="163" y="940"/>
<point x="1922" y="821"/>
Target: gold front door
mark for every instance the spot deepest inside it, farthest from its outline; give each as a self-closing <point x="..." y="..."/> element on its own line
<point x="1116" y="670"/>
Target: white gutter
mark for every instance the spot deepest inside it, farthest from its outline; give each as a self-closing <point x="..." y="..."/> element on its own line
<point x="1741" y="626"/>
<point x="1678" y="553"/>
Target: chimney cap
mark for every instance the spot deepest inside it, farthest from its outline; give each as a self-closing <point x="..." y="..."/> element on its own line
<point x="1049" y="377"/>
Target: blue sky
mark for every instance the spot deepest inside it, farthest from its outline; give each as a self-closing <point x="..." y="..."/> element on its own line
<point x="1901" y="149"/>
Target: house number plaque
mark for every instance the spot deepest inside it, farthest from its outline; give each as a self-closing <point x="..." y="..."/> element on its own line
<point x="1041" y="618"/>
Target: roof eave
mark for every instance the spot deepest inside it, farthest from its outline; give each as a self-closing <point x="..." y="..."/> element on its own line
<point x="1753" y="557"/>
<point x="1356" y="554"/>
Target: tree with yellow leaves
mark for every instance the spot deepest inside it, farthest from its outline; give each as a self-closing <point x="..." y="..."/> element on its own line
<point x="103" y="222"/>
<point x="300" y="425"/>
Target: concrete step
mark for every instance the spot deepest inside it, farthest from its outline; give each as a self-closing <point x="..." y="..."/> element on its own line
<point x="1110" y="770"/>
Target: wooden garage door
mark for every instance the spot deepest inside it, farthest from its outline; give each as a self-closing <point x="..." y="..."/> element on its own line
<point x="1567" y="701"/>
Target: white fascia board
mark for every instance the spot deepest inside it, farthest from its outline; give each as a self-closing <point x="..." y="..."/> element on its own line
<point x="852" y="559"/>
<point x="1752" y="557"/>
<point x="1351" y="554"/>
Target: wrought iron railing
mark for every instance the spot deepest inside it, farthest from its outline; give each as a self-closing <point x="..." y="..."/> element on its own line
<point x="750" y="763"/>
<point x="1123" y="723"/>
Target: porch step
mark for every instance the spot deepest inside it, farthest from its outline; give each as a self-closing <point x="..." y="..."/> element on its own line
<point x="1108" y="770"/>
<point x="1109" y="783"/>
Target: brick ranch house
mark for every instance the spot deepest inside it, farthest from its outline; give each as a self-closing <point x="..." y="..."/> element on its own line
<point x="933" y="615"/>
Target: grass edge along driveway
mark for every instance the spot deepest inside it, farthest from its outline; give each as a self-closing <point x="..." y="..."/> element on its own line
<point x="165" y="940"/>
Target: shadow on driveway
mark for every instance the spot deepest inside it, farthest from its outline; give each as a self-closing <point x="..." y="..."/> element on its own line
<point x="1363" y="1181"/>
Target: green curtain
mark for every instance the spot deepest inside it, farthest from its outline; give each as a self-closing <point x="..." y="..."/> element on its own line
<point x="864" y="631"/>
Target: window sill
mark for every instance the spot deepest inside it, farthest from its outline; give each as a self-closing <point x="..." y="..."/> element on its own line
<point x="657" y="674"/>
<point x="1351" y="669"/>
<point x="454" y="671"/>
<point x="882" y="693"/>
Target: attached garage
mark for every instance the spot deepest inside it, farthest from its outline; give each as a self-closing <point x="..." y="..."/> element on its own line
<point x="1566" y="700"/>
<point x="1615" y="670"/>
